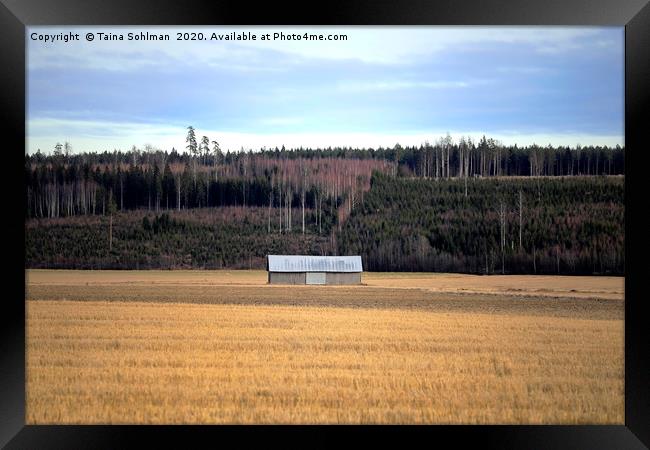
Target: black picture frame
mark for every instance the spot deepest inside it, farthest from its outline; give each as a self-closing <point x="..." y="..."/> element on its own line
<point x="15" y="15"/>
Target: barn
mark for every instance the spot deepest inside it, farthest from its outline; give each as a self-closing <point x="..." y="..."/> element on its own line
<point x="300" y="269"/>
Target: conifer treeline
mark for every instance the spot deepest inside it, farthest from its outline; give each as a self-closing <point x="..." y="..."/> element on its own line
<point x="70" y="184"/>
<point x="488" y="157"/>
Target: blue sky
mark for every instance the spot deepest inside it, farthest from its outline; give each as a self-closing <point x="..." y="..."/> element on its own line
<point x="383" y="85"/>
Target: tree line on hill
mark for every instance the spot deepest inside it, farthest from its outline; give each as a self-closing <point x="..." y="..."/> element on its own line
<point x="444" y="158"/>
<point x="64" y="184"/>
<point x="447" y="159"/>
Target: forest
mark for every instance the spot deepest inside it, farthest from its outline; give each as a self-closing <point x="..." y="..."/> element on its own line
<point x="449" y="206"/>
<point x="562" y="225"/>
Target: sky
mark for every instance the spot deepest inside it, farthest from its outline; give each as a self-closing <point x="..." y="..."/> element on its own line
<point x="379" y="87"/>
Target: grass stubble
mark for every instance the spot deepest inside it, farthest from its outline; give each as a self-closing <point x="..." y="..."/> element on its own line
<point x="228" y="354"/>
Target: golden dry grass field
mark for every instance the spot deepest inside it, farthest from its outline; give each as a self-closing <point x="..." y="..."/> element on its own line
<point x="165" y="347"/>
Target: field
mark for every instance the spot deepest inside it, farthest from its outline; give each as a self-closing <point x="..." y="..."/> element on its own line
<point x="222" y="347"/>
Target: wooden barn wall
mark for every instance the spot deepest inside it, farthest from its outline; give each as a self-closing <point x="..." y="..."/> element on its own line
<point x="301" y="278"/>
<point x="343" y="278"/>
<point x="287" y="277"/>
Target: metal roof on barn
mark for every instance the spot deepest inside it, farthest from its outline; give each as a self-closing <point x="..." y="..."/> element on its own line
<point x="301" y="263"/>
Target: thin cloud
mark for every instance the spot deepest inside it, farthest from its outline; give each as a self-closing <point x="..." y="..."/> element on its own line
<point x="397" y="85"/>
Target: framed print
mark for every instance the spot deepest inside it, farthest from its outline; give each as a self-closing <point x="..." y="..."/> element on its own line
<point x="425" y="215"/>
